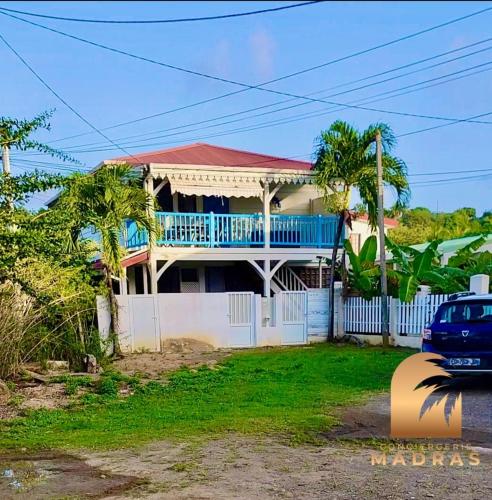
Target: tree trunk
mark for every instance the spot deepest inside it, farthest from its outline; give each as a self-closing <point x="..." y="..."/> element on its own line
<point x="113" y="311"/>
<point x="331" y="290"/>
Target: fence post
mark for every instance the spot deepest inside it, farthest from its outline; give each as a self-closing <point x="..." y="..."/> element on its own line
<point x="212" y="229"/>
<point x="319" y="239"/>
<point x="393" y="317"/>
<point x="339" y="313"/>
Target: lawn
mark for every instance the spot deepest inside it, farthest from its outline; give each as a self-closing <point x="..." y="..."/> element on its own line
<point x="292" y="391"/>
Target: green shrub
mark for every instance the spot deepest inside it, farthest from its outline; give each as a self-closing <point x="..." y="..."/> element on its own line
<point x="106" y="386"/>
<point x="72" y="384"/>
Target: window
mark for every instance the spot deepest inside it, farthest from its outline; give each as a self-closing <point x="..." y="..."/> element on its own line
<point x="465" y="312"/>
<point x="189" y="275"/>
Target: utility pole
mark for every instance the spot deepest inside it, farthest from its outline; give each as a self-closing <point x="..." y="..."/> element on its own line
<point x="382" y="251"/>
<point x="6" y="159"/>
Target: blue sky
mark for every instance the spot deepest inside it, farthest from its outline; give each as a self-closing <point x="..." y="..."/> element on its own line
<point x="108" y="88"/>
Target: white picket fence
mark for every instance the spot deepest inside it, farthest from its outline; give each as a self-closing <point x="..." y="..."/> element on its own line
<point x="364" y="316"/>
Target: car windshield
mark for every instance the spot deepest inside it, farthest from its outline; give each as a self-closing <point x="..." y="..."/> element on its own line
<point x="465" y="312"/>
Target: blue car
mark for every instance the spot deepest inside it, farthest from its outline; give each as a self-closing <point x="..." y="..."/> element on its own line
<point x="462" y="332"/>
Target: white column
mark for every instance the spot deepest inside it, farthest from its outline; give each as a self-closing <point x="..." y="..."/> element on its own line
<point x="123" y="282"/>
<point x="266" y="214"/>
<point x="145" y="276"/>
<point x="201" y="279"/>
<point x="266" y="279"/>
<point x="132" y="286"/>
<point x="153" y="275"/>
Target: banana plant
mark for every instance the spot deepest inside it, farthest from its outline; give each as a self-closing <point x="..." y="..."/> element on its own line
<point x="364" y="274"/>
<point x="414" y="268"/>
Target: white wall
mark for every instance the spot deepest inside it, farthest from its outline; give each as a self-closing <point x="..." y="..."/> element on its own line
<point x="219" y="319"/>
<point x="294" y="199"/>
<point x="199" y="316"/>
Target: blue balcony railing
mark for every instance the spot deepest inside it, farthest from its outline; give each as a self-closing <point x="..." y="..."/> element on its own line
<point x="236" y="230"/>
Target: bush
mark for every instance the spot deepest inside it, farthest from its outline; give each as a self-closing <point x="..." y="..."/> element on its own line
<point x="106" y="386"/>
<point x="18" y="315"/>
<point x="65" y="301"/>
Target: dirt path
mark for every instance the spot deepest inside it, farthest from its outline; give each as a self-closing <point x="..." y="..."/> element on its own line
<point x="241" y="468"/>
<point x="175" y="354"/>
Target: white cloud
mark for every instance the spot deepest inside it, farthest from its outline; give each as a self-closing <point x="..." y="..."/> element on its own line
<point x="221" y="58"/>
<point x="263" y="49"/>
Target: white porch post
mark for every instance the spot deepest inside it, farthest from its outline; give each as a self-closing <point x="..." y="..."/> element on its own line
<point x="266" y="213"/>
<point x="132" y="287"/>
<point x="267" y="278"/>
<point x="149" y="188"/>
<point x="153" y="275"/>
<point x="123" y="283"/>
<point x="145" y="276"/>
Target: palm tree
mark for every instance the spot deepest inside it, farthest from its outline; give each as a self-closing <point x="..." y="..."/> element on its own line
<point x="104" y="201"/>
<point x="345" y="158"/>
<point x="16" y="134"/>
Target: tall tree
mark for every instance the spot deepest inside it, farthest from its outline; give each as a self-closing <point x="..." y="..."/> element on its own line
<point x="104" y="201"/>
<point x="17" y="134"/>
<point x="345" y="158"/>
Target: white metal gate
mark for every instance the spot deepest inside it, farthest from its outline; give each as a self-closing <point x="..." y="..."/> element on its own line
<point x="144" y="323"/>
<point x="294" y="317"/>
<point x="241" y="319"/>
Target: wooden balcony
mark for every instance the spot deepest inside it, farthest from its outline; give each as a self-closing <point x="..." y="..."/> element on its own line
<point x="236" y="230"/>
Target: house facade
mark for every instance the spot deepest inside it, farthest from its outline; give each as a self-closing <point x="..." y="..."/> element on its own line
<point x="228" y="221"/>
<point x="239" y="258"/>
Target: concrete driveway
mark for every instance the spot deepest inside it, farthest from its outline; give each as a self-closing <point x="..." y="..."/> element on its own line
<point x="373" y="419"/>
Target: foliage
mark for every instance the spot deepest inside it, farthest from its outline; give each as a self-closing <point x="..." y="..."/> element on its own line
<point x="39" y="257"/>
<point x="418" y="225"/>
<point x="72" y="384"/>
<point x="104" y="201"/>
<point x="364" y="274"/>
<point x="346" y="159"/>
<point x="414" y="268"/>
<point x="18" y="315"/>
<point x="106" y="386"/>
<point x="262" y="391"/>
<point x="16" y="134"/>
<point x="468" y="261"/>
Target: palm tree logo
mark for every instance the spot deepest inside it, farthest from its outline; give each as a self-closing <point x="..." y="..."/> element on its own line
<point x="424" y="403"/>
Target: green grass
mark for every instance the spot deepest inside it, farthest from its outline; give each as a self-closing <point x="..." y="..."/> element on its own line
<point x="293" y="391"/>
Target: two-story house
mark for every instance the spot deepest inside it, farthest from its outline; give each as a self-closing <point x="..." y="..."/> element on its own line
<point x="242" y="242"/>
<point x="229" y="220"/>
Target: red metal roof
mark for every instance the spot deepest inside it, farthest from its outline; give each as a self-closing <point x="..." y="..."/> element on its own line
<point x="387" y="220"/>
<point x="207" y="154"/>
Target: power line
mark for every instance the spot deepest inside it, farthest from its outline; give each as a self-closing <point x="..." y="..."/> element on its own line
<point x="451" y="172"/>
<point x="444" y="124"/>
<point x="260" y="86"/>
<point x="277" y="102"/>
<point x="276" y="122"/>
<point x="47" y="165"/>
<point x="163" y="21"/>
<point x="266" y="106"/>
<point x="460" y="180"/>
<point x="61" y="99"/>
<point x="369" y="99"/>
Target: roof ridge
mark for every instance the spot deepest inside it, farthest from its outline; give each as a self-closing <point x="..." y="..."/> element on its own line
<point x="251" y="152"/>
<point x="213" y="146"/>
<point x="158" y="151"/>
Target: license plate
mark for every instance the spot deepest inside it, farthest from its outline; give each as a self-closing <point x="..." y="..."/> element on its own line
<point x="463" y="362"/>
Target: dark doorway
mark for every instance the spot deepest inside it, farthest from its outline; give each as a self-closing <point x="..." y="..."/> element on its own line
<point x="186" y="204"/>
<point x="215" y="279"/>
<point x="165" y="198"/>
<point x="216" y="204"/>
